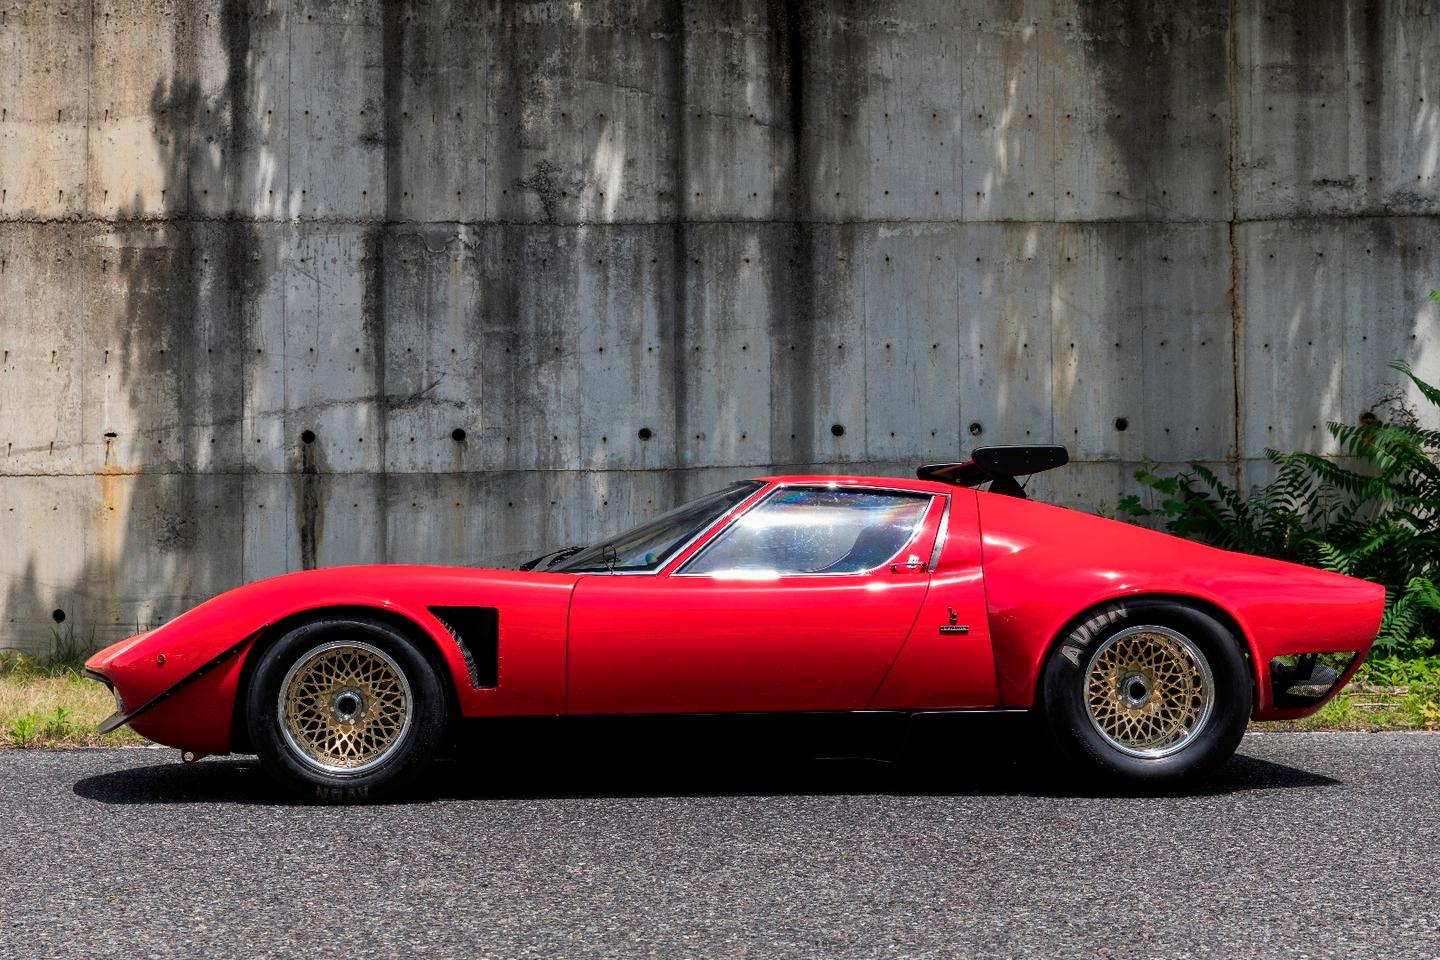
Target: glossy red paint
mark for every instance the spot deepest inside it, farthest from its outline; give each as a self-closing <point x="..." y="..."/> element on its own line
<point x="675" y="643"/>
<point x="1045" y="566"/>
<point x="532" y="642"/>
<point x="1016" y="573"/>
<point x="939" y="668"/>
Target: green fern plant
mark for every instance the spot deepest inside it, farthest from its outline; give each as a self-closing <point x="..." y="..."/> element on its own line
<point x="1373" y="512"/>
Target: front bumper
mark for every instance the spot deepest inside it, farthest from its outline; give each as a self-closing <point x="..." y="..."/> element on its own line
<point x="115" y="719"/>
<point x="103" y="668"/>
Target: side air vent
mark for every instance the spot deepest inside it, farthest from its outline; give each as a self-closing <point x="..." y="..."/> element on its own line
<point x="477" y="633"/>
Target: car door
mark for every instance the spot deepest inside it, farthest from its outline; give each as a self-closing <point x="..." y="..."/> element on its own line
<point x="802" y="602"/>
<point x="948" y="661"/>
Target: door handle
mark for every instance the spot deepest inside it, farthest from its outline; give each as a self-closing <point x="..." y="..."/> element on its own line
<point x="913" y="565"/>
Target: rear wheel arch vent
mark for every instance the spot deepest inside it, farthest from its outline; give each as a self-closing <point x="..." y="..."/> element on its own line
<point x="476" y="631"/>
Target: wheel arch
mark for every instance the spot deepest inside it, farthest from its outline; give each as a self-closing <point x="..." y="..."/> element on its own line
<point x="1199" y="604"/>
<point x="423" y="640"/>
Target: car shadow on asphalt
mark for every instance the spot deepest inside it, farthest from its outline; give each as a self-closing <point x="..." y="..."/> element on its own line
<point x="999" y="762"/>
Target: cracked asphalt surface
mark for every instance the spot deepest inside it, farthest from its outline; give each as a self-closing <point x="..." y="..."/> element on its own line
<point x="1320" y="845"/>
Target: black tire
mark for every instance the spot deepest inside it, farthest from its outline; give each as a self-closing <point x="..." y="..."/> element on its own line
<point x="403" y="711"/>
<point x="1077" y="733"/>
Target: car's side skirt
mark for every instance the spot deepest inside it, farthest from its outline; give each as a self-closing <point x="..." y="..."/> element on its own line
<point x="875" y="734"/>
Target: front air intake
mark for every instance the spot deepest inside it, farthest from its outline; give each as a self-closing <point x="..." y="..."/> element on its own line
<point x="476" y="631"/>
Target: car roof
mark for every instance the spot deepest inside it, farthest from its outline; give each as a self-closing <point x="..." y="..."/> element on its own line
<point x="893" y="483"/>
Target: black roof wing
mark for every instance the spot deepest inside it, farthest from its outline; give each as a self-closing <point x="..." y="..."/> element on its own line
<point x="997" y="463"/>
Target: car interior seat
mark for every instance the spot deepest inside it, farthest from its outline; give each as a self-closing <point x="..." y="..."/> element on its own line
<point x="872" y="547"/>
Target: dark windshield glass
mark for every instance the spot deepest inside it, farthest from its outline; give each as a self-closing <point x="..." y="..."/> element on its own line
<point x="649" y="545"/>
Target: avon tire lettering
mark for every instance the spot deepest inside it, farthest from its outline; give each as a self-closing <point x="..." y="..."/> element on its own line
<point x="1074" y="645"/>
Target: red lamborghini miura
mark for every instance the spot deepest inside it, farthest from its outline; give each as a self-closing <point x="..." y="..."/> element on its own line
<point x="1143" y="655"/>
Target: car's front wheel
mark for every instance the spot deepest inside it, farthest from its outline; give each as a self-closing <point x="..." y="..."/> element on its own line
<point x="345" y="709"/>
<point x="1146" y="692"/>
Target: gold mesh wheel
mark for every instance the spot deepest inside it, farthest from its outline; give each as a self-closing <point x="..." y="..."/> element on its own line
<point x="1149" y="691"/>
<point x="345" y="706"/>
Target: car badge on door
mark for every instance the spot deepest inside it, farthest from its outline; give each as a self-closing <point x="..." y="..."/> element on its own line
<point x="954" y="626"/>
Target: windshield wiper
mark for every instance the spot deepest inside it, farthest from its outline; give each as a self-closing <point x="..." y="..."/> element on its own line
<point x="606" y="563"/>
<point x="554" y="557"/>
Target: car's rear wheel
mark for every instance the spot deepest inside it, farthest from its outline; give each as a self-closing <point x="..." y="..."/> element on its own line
<point x="1146" y="692"/>
<point x="345" y="709"/>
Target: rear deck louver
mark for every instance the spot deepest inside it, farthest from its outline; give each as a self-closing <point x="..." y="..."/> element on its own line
<point x="477" y="633"/>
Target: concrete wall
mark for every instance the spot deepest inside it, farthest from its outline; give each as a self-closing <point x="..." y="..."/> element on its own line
<point x="852" y="235"/>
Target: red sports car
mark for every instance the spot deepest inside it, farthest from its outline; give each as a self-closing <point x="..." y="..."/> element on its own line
<point x="1143" y="655"/>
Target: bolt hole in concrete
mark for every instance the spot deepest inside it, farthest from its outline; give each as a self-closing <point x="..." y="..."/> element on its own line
<point x="307" y="436"/>
<point x="646" y="433"/>
<point x="976" y="428"/>
<point x="458" y="435"/>
<point x="1122" y="424"/>
<point x="837" y="430"/>
<point x="57" y="615"/>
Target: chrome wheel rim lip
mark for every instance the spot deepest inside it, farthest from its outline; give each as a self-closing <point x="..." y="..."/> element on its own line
<point x="299" y="749"/>
<point x="1206" y="689"/>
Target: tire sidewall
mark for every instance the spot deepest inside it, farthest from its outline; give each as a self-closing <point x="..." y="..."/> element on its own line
<point x="1067" y="717"/>
<point x="279" y="757"/>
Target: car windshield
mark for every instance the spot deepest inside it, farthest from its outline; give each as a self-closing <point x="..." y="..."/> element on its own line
<point x="649" y="545"/>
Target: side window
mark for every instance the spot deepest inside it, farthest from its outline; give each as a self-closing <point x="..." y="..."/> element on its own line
<point x="808" y="531"/>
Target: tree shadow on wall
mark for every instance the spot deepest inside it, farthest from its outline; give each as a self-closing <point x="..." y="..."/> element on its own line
<point x="155" y="507"/>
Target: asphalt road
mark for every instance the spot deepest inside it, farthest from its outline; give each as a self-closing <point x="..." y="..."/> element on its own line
<point x="1318" y="845"/>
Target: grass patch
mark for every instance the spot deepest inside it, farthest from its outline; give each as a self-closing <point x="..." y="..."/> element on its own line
<point x="51" y="704"/>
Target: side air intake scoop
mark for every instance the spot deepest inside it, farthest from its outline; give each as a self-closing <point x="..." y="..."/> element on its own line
<point x="999" y="465"/>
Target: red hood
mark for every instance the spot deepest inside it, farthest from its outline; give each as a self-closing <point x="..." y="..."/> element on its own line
<point x="533" y="605"/>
